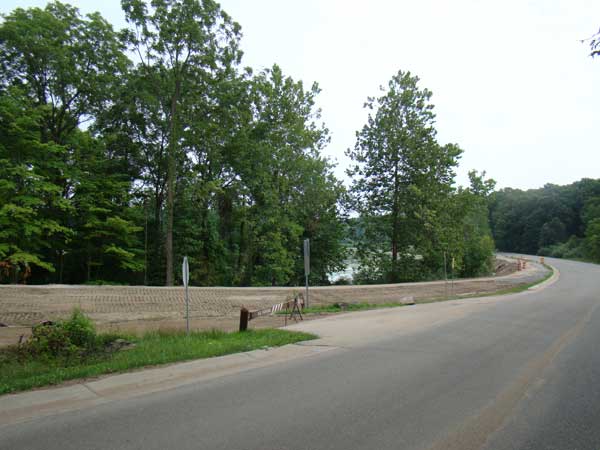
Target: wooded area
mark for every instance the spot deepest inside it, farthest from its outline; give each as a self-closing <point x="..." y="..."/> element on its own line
<point x="561" y="221"/>
<point x="123" y="151"/>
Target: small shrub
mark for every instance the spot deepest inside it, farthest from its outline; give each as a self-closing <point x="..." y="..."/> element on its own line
<point x="50" y="341"/>
<point x="75" y="336"/>
<point x="80" y="329"/>
<point x="342" y="281"/>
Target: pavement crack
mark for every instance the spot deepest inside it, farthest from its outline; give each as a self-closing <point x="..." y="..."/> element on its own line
<point x="85" y="385"/>
<point x="307" y="344"/>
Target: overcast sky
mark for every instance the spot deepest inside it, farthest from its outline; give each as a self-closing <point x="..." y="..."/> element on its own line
<point x="512" y="83"/>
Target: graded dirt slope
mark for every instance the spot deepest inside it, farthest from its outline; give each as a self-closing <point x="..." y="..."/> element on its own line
<point x="139" y="308"/>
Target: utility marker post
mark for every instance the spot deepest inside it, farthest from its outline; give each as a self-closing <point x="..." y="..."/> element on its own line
<point x="445" y="277"/>
<point x="185" y="270"/>
<point x="306" y="267"/>
<point x="452" y="277"/>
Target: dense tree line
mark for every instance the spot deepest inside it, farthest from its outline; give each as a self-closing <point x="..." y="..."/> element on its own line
<point x="122" y="151"/>
<point x="562" y="221"/>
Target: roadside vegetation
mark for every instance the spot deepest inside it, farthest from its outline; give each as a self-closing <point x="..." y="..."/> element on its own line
<point x="557" y="221"/>
<point x="118" y="157"/>
<point x="72" y="349"/>
<point x="121" y="151"/>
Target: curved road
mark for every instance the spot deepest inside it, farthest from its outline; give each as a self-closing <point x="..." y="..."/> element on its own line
<point x="511" y="372"/>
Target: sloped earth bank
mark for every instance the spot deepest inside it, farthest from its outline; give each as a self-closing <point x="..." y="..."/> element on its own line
<point x="137" y="308"/>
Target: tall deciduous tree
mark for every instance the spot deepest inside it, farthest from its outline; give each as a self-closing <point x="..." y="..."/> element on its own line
<point x="289" y="190"/>
<point x="67" y="67"/>
<point x="27" y="195"/>
<point x="68" y="64"/>
<point x="401" y="177"/>
<point x="181" y="45"/>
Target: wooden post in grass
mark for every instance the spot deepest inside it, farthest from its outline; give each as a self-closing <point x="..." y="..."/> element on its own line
<point x="244" y="313"/>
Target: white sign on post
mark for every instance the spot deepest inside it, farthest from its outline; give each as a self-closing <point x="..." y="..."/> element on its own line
<point x="307" y="257"/>
<point x="185" y="272"/>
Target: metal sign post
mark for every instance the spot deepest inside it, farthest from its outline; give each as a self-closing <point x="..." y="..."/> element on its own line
<point x="452" y="277"/>
<point x="306" y="267"/>
<point x="185" y="270"/>
<point x="445" y="278"/>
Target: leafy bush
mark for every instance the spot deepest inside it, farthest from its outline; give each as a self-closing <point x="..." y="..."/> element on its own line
<point x="572" y="249"/>
<point x="80" y="329"/>
<point x="75" y="336"/>
<point x="50" y="340"/>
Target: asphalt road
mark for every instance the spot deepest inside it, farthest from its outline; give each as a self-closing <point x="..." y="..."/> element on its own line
<point x="517" y="372"/>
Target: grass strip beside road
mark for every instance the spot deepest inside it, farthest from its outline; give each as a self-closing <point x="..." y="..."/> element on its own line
<point x="345" y="307"/>
<point x="512" y="290"/>
<point x="362" y="306"/>
<point x="19" y="373"/>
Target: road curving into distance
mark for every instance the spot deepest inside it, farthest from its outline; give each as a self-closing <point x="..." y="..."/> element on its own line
<point x="519" y="371"/>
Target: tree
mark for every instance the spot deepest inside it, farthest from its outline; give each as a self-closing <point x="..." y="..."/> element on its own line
<point x="594" y="42"/>
<point x="69" y="65"/>
<point x="288" y="190"/>
<point x="402" y="177"/>
<point x="181" y="45"/>
<point x="27" y="195"/>
<point x="552" y="221"/>
<point x="477" y="244"/>
<point x="181" y="151"/>
<point x="66" y="68"/>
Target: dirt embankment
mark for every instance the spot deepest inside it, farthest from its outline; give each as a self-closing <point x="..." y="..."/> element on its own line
<point x="138" y="308"/>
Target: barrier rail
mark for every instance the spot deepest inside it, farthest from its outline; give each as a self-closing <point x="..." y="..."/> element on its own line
<point x="292" y="307"/>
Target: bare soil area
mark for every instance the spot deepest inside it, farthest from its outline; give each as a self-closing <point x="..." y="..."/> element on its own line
<point x="137" y="309"/>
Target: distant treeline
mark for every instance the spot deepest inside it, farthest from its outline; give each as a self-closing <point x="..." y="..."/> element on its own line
<point x="113" y="169"/>
<point x="561" y="221"/>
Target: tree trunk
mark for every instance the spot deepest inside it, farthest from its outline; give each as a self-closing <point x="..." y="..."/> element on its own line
<point x="395" y="222"/>
<point x="61" y="266"/>
<point x="171" y="185"/>
<point x="89" y="268"/>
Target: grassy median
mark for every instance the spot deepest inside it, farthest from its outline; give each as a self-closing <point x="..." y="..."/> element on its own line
<point x="21" y="369"/>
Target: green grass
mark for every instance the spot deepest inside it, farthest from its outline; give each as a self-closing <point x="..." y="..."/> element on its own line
<point x="22" y="373"/>
<point x="335" y="308"/>
<point x="512" y="290"/>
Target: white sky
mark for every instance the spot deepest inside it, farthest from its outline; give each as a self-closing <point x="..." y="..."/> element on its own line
<point x="512" y="83"/>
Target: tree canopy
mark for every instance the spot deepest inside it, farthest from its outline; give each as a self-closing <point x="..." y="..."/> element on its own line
<point x="403" y="188"/>
<point x="123" y="151"/>
<point x="555" y="220"/>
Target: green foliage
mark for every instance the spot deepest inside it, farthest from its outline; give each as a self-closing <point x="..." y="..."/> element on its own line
<point x="558" y="221"/>
<point x="411" y="216"/>
<point x="28" y="196"/>
<point x="68" y="64"/>
<point x="21" y="373"/>
<point x="592" y="239"/>
<point x="477" y="245"/>
<point x="113" y="171"/>
<point x="75" y="336"/>
<point x="343" y="307"/>
<point x="574" y="248"/>
<point x="80" y="329"/>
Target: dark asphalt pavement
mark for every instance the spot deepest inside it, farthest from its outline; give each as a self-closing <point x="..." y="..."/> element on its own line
<point x="522" y="372"/>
